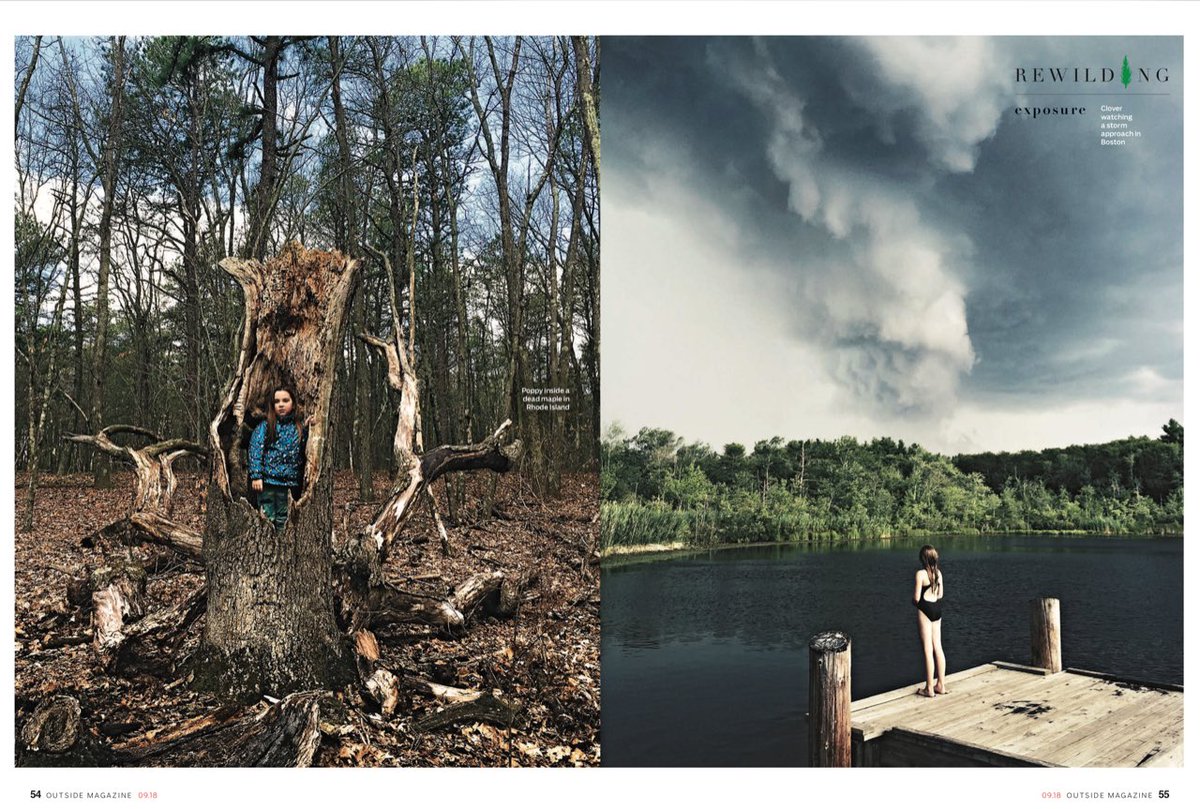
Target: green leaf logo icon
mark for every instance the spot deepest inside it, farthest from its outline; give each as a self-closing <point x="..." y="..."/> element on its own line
<point x="1126" y="73"/>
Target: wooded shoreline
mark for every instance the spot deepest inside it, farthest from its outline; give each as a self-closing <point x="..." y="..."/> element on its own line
<point x="657" y="490"/>
<point x="626" y="553"/>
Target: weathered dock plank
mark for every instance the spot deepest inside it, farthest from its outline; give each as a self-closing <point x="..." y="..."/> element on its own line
<point x="1009" y="715"/>
<point x="1048" y="702"/>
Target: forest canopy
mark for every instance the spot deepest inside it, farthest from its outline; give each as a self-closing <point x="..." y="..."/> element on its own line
<point x="142" y="162"/>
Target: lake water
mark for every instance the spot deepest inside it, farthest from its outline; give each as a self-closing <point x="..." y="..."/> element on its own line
<point x="705" y="657"/>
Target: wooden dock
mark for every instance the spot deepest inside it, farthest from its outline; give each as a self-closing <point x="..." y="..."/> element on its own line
<point x="1004" y="714"/>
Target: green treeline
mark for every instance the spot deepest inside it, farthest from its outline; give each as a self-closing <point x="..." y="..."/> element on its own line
<point x="655" y="489"/>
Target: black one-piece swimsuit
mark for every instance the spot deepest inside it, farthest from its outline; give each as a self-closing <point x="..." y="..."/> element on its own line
<point x="932" y="609"/>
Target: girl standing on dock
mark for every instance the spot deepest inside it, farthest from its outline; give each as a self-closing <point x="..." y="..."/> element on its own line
<point x="928" y="592"/>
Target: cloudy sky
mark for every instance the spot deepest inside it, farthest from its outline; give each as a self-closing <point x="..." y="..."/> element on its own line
<point x="816" y="237"/>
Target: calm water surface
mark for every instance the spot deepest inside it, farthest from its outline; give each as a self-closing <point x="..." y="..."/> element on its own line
<point x="705" y="658"/>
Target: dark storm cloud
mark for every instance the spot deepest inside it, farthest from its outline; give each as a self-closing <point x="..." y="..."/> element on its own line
<point x="936" y="244"/>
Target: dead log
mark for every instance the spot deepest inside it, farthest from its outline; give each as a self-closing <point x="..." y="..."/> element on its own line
<point x="54" y="725"/>
<point x="472" y="592"/>
<point x="152" y="644"/>
<point x="154" y="528"/>
<point x="161" y="740"/>
<point x="387" y="604"/>
<point x="151" y="527"/>
<point x="487" y="708"/>
<point x="384" y="688"/>
<point x="115" y="592"/>
<point x="118" y="597"/>
<point x="287" y="735"/>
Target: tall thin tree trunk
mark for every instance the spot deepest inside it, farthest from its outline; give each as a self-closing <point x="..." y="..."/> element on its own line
<point x="110" y="165"/>
<point x="349" y="244"/>
<point x="587" y="99"/>
<point x="38" y="398"/>
<point x="268" y="178"/>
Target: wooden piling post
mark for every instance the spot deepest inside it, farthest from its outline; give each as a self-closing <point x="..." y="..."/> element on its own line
<point x="829" y="700"/>
<point x="1045" y="635"/>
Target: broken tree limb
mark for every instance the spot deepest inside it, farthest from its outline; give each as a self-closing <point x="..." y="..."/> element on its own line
<point x="445" y="692"/>
<point x="366" y="645"/>
<point x="152" y="527"/>
<point x="153" y="464"/>
<point x="490" y="453"/>
<point x="388" y="604"/>
<point x="403" y="381"/>
<point x="148" y="527"/>
<point x="159" y="740"/>
<point x="384" y="688"/>
<point x="118" y="596"/>
<point x="471" y="593"/>
<point x="365" y="600"/>
<point x="391" y="605"/>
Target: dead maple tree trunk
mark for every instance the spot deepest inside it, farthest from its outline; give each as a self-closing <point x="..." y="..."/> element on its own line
<point x="270" y="624"/>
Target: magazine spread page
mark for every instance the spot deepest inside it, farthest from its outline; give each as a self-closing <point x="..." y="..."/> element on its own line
<point x="317" y="480"/>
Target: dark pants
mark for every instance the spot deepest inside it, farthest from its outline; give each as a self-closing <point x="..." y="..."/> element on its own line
<point x="273" y="502"/>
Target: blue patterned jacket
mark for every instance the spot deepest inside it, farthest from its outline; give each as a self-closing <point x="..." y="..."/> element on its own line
<point x="279" y="463"/>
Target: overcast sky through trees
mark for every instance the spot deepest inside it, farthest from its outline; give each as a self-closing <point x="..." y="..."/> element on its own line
<point x="815" y="237"/>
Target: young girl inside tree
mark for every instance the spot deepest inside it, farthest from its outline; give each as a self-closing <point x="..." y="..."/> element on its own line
<point x="277" y="455"/>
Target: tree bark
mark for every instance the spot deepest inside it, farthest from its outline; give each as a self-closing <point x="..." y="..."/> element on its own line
<point x="270" y="624"/>
<point x="587" y="100"/>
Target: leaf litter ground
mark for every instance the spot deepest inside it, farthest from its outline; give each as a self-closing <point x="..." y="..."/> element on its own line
<point x="547" y="657"/>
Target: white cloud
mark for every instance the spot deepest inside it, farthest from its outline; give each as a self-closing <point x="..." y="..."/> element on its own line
<point x="892" y="306"/>
<point x="955" y="85"/>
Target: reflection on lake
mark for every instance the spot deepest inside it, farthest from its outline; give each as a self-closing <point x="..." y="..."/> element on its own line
<point x="705" y="657"/>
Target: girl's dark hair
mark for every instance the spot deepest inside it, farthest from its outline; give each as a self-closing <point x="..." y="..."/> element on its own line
<point x="929" y="561"/>
<point x="297" y="416"/>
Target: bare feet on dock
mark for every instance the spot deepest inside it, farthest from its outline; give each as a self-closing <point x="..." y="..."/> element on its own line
<point x="940" y="690"/>
<point x="923" y="692"/>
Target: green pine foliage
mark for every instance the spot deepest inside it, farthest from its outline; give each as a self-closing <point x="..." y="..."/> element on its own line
<point x="656" y="489"/>
<point x="1126" y="73"/>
